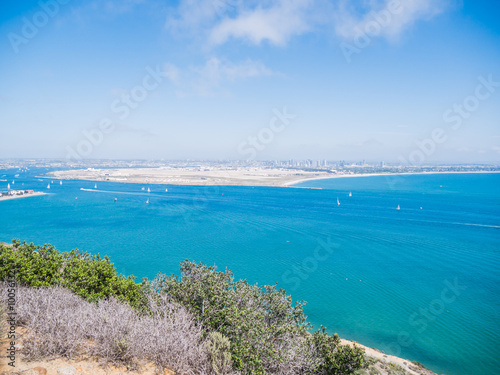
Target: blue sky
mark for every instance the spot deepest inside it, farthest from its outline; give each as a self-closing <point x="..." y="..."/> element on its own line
<point x="410" y="80"/>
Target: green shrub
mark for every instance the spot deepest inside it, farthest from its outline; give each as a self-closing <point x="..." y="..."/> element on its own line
<point x="255" y="320"/>
<point x="269" y="334"/>
<point x="218" y="348"/>
<point x="336" y="359"/>
<point x="89" y="276"/>
<point x="260" y="330"/>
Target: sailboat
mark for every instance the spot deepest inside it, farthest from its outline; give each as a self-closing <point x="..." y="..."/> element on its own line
<point x="95" y="186"/>
<point x="8" y="186"/>
<point x="338" y="202"/>
<point x="116" y="199"/>
<point x="60" y="182"/>
<point x="48" y="186"/>
<point x="142" y="188"/>
<point x="399" y="208"/>
<point x="13" y="182"/>
<point x="147" y="202"/>
<point x="149" y="190"/>
<point x="350" y="194"/>
<point x="166" y="190"/>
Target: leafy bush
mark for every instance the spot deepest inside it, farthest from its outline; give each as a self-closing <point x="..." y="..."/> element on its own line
<point x="268" y="333"/>
<point x="336" y="359"/>
<point x="203" y="320"/>
<point x="256" y="321"/>
<point x="89" y="276"/>
<point x="218" y="348"/>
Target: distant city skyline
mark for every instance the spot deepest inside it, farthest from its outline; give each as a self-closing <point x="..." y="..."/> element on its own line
<point x="411" y="82"/>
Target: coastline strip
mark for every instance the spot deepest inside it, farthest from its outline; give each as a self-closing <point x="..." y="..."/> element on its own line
<point x="21" y="196"/>
<point x="291" y="183"/>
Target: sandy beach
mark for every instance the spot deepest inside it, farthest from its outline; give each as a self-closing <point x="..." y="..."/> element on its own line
<point x="272" y="177"/>
<point x="290" y="184"/>
<point x="409" y="367"/>
<point x="21" y="196"/>
<point x="192" y="176"/>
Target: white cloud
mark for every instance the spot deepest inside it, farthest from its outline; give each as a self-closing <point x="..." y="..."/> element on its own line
<point x="216" y="70"/>
<point x="277" y="21"/>
<point x="275" y="24"/>
<point x="192" y="15"/>
<point x="393" y="16"/>
<point x="207" y="79"/>
<point x="171" y="72"/>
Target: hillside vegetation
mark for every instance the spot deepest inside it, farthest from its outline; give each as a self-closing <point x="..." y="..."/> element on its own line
<point x="202" y="322"/>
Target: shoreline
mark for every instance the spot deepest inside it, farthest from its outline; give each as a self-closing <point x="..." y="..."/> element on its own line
<point x="37" y="194"/>
<point x="409" y="366"/>
<point x="291" y="183"/>
<point x="251" y="177"/>
<point x="260" y="178"/>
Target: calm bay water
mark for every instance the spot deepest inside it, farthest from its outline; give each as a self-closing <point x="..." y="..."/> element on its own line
<point x="422" y="282"/>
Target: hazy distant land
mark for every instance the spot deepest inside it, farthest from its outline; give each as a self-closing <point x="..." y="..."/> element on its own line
<point x="193" y="176"/>
<point x="250" y="176"/>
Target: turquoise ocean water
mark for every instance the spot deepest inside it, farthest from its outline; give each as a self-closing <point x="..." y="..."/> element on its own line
<point x="422" y="282"/>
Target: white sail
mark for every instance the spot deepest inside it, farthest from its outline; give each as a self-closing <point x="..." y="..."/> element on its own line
<point x="399" y="208"/>
<point x="166" y="190"/>
<point x="60" y="182"/>
<point x="48" y="186"/>
<point x="338" y="202"/>
<point x="8" y="186"/>
<point x="95" y="186"/>
<point x="149" y="190"/>
<point x="147" y="202"/>
<point x="350" y="194"/>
